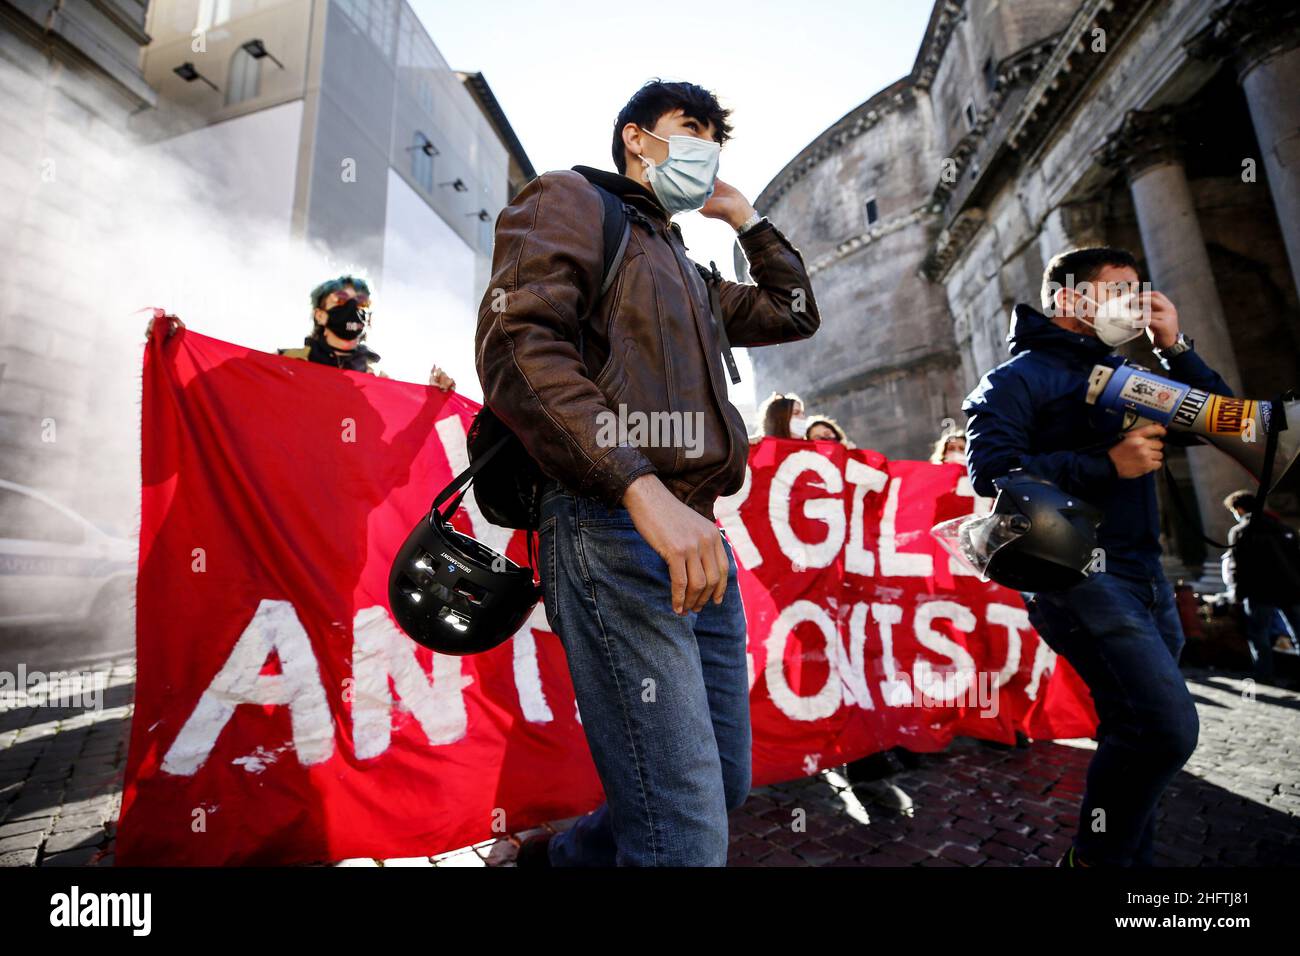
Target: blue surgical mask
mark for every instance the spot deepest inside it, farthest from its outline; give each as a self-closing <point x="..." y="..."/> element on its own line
<point x="684" y="181"/>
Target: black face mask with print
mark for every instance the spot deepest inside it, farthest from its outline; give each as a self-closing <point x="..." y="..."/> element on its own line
<point x="346" y="320"/>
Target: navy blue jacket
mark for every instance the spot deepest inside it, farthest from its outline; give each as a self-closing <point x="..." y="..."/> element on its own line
<point x="1030" y="412"/>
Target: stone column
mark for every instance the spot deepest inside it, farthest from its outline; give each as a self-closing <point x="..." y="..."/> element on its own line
<point x="1072" y="225"/>
<point x="1262" y="39"/>
<point x="1146" y="147"/>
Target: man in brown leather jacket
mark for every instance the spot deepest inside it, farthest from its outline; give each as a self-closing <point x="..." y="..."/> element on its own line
<point x="638" y="581"/>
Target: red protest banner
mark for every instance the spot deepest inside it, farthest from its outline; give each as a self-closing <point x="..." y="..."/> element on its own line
<point x="281" y="716"/>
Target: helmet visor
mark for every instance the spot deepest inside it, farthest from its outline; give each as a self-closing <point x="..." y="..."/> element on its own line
<point x="974" y="539"/>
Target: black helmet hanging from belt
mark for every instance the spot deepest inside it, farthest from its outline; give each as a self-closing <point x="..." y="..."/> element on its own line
<point x="450" y="593"/>
<point x="1036" y="538"/>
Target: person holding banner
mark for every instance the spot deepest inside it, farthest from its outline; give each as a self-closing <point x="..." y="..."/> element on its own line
<point x="822" y="428"/>
<point x="950" y="446"/>
<point x="1119" y="628"/>
<point x="782" y="417"/>
<point x="638" y="581"/>
<point x="341" y="316"/>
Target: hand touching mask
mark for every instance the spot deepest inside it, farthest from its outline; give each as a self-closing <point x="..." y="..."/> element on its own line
<point x="1117" y="320"/>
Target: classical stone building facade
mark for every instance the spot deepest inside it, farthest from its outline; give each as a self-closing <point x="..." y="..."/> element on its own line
<point x="69" y="80"/>
<point x="1170" y="127"/>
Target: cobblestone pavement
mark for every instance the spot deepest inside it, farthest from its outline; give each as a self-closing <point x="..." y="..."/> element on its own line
<point x="1237" y="803"/>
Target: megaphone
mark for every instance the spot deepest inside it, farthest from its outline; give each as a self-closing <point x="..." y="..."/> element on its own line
<point x="1236" y="426"/>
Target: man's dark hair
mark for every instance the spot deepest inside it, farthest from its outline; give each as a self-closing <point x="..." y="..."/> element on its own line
<point x="656" y="99"/>
<point x="1068" y="269"/>
<point x="1242" y="500"/>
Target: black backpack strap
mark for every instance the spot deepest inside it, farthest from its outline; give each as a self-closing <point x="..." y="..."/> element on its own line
<point x="465" y="477"/>
<point x="616" y="228"/>
<point x="1276" y="423"/>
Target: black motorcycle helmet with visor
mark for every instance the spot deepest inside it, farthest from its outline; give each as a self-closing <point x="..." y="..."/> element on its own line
<point x="451" y="593"/>
<point x="1036" y="538"/>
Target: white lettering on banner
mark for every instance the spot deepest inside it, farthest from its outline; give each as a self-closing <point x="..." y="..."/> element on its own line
<point x="1044" y="663"/>
<point x="728" y="512"/>
<point x="958" y="683"/>
<point x="894" y="564"/>
<point x="827" y="510"/>
<point x="863" y="478"/>
<point x="451" y="432"/>
<point x="274" y="628"/>
<point x="1015" y="620"/>
<point x="380" y="651"/>
<point x="827" y="700"/>
<point x="895" y="691"/>
<point x="923" y="673"/>
<point x="854" y="673"/>
<point x="528" y="674"/>
<point x="982" y="506"/>
<point x="528" y="678"/>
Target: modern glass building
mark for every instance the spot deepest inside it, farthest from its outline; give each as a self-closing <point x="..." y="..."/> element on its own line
<point x="340" y="122"/>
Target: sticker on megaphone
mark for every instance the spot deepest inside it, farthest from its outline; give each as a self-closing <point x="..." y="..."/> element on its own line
<point x="1236" y="426"/>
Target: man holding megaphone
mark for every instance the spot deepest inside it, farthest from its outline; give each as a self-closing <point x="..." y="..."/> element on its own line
<point x="1118" y="628"/>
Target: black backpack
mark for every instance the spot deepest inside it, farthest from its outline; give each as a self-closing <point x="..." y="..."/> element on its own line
<point x="508" y="483"/>
<point x="1268" y="561"/>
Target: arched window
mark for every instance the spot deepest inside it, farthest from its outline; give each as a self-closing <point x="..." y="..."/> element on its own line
<point x="244" y="78"/>
<point x="422" y="153"/>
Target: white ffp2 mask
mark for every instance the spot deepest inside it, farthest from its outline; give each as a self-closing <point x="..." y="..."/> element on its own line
<point x="1117" y="320"/>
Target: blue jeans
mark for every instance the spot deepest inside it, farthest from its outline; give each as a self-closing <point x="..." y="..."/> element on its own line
<point x="1261" y="625"/>
<point x="1123" y="636"/>
<point x="663" y="698"/>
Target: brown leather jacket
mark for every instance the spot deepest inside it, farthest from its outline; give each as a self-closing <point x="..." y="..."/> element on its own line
<point x="649" y="347"/>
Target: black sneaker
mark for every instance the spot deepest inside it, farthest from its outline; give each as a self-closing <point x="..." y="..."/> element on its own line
<point x="884" y="795"/>
<point x="534" y="851"/>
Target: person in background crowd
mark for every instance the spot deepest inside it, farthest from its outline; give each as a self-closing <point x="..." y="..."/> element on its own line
<point x="782" y="417"/>
<point x="340" y="316"/>
<point x="821" y="428"/>
<point x="1261" y="569"/>
<point x="869" y="778"/>
<point x="950" y="447"/>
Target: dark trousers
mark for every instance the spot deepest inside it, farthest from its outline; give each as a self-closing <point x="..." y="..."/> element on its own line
<point x="1122" y="635"/>
<point x="1262" y="623"/>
